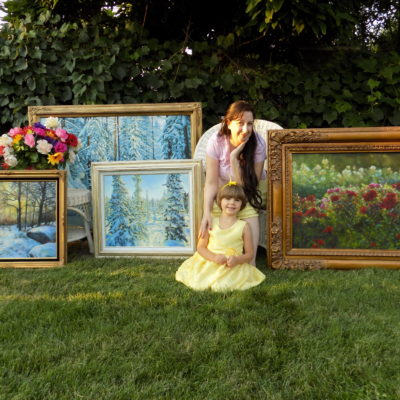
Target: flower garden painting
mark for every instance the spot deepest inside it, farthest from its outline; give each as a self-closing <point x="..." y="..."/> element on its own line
<point x="130" y="138"/>
<point x="146" y="210"/>
<point x="28" y="228"/>
<point x="346" y="200"/>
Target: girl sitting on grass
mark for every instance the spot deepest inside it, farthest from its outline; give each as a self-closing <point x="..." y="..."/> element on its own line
<point x="221" y="262"/>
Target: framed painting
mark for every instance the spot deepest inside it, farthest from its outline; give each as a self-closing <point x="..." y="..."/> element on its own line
<point x="146" y="208"/>
<point x="334" y="198"/>
<point x="125" y="132"/>
<point x="32" y="219"/>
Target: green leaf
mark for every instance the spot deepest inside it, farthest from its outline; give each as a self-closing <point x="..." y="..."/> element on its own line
<point x="372" y="83"/>
<point x="330" y="116"/>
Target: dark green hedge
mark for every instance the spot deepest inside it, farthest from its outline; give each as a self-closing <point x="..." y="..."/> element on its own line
<point x="43" y="63"/>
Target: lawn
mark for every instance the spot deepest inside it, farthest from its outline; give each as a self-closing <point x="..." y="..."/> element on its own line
<point x="124" y="329"/>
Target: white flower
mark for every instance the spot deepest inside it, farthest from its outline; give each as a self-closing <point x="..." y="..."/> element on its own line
<point x="71" y="156"/>
<point x="8" y="151"/>
<point x="372" y="168"/>
<point x="11" y="160"/>
<point x="51" y="123"/>
<point x="5" y="140"/>
<point x="79" y="145"/>
<point x="43" y="146"/>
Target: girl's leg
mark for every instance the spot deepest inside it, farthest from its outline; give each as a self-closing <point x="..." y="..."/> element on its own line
<point x="255" y="232"/>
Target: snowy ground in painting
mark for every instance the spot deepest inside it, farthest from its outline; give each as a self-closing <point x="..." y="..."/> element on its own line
<point x="16" y="244"/>
<point x="156" y="237"/>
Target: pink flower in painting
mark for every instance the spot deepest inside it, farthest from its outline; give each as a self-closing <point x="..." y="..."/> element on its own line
<point x="351" y="193"/>
<point x="389" y="201"/>
<point x="335" y="198"/>
<point x="363" y="210"/>
<point x="396" y="186"/>
<point x="310" y="197"/>
<point x="334" y="190"/>
<point x="370" y="195"/>
<point x="311" y="212"/>
<point x="374" y="185"/>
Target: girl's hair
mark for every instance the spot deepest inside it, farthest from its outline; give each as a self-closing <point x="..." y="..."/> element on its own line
<point x="249" y="177"/>
<point x="231" y="190"/>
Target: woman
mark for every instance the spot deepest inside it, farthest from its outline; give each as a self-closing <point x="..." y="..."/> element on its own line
<point x="235" y="153"/>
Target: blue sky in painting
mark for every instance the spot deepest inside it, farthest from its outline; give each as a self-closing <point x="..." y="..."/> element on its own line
<point x="151" y="183"/>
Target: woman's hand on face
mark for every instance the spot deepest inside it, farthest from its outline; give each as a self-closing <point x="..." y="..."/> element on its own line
<point x="235" y="153"/>
<point x="206" y="225"/>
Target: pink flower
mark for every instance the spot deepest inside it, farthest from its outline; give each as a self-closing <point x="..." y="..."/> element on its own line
<point x="351" y="193"/>
<point x="374" y="185"/>
<point x="335" y="190"/>
<point x="15" y="131"/>
<point x="29" y="140"/>
<point x="363" y="210"/>
<point x="60" y="147"/>
<point x="62" y="134"/>
<point x="39" y="131"/>
<point x="335" y="198"/>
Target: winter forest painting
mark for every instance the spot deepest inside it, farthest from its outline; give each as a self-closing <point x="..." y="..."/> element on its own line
<point x="146" y="210"/>
<point x="28" y="228"/>
<point x="126" y="138"/>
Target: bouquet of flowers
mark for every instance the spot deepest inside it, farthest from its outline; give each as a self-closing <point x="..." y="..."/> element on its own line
<point x="38" y="147"/>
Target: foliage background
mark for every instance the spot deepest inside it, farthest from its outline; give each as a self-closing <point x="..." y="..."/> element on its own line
<point x="313" y="64"/>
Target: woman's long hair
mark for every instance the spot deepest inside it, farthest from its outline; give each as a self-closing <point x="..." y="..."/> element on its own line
<point x="249" y="178"/>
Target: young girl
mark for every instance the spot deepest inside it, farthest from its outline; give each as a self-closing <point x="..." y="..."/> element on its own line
<point x="221" y="262"/>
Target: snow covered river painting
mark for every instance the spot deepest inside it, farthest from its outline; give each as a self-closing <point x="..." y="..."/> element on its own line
<point x="28" y="216"/>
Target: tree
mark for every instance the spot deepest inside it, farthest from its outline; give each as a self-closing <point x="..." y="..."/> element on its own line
<point x="174" y="209"/>
<point x="120" y="224"/>
<point x="139" y="214"/>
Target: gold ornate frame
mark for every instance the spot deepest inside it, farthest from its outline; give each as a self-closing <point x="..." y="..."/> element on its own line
<point x="35" y="113"/>
<point x="190" y="167"/>
<point x="284" y="143"/>
<point x="59" y="178"/>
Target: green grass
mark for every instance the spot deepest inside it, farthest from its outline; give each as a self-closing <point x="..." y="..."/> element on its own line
<point x="124" y="329"/>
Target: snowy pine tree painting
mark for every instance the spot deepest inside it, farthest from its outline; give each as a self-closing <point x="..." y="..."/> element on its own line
<point x="125" y="138"/>
<point x="146" y="210"/>
<point x="174" y="211"/>
<point x="28" y="220"/>
<point x="120" y="225"/>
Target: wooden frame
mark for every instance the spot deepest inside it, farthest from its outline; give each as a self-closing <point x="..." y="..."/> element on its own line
<point x="34" y="216"/>
<point x="125" y="132"/>
<point x="363" y="198"/>
<point x="133" y="202"/>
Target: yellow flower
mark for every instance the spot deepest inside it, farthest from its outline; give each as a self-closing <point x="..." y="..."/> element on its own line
<point x="17" y="138"/>
<point x="55" y="158"/>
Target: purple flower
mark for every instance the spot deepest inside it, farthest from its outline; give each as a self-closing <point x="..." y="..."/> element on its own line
<point x="38" y="125"/>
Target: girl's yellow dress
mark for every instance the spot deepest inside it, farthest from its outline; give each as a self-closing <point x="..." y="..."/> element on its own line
<point x="201" y="274"/>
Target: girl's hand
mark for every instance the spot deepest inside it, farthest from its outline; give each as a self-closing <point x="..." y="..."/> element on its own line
<point x="232" y="261"/>
<point x="220" y="259"/>
<point x="206" y="225"/>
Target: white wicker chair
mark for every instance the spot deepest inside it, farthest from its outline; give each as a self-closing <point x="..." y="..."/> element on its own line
<point x="261" y="126"/>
